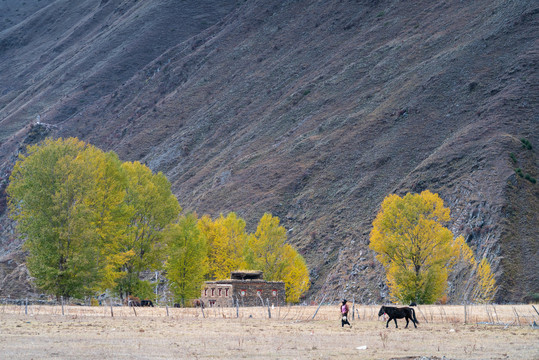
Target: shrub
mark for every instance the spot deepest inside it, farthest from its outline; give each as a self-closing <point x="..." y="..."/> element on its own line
<point x="519" y="172"/>
<point x="513" y="157"/>
<point x="526" y="144"/>
<point x="530" y="178"/>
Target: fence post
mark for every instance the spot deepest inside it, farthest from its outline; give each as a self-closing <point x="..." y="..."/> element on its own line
<point x="237" y="307"/>
<point x="111" y="312"/>
<point x="353" y="308"/>
<point x="269" y="311"/>
<point x="62" y="299"/>
<point x="167" y="308"/>
<point x="130" y="304"/>
<point x="321" y="302"/>
<point x="26" y="307"/>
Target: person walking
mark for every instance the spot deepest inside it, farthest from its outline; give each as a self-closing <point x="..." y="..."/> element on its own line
<point x="344" y="313"/>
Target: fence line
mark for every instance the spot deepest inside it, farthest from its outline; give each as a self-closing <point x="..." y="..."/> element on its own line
<point x="503" y="315"/>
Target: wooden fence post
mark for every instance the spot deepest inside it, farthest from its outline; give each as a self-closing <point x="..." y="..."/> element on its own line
<point x="321" y="302"/>
<point x="111" y="312"/>
<point x="130" y="304"/>
<point x="62" y="299"/>
<point x="26" y="307"/>
<point x="269" y="311"/>
<point x="353" y="308"/>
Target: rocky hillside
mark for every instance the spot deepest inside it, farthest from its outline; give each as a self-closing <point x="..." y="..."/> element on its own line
<point x="311" y="110"/>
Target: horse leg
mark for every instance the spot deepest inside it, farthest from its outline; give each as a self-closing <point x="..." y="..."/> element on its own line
<point x="406" y="327"/>
<point x="396" y="322"/>
<point x="388" y="320"/>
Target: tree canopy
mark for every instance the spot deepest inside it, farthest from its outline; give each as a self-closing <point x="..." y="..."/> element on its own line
<point x="187" y="262"/>
<point x="231" y="248"/>
<point x="267" y="251"/>
<point x="93" y="222"/>
<point x="89" y="220"/>
<point x="55" y="199"/>
<point x="415" y="247"/>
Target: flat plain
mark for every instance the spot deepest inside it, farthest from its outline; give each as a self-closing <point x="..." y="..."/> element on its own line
<point x="482" y="332"/>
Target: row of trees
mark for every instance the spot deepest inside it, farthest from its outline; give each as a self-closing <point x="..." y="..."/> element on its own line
<point x="207" y="248"/>
<point x="93" y="223"/>
<point x="418" y="251"/>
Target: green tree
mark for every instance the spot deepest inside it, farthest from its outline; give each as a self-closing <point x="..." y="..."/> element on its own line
<point x="267" y="251"/>
<point x="415" y="248"/>
<point x="50" y="193"/>
<point x="151" y="206"/>
<point x="187" y="261"/>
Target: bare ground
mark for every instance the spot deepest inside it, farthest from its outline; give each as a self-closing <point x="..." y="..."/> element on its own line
<point x="91" y="333"/>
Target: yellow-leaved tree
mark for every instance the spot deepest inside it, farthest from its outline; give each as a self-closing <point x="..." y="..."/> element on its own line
<point x="226" y="244"/>
<point x="267" y="251"/>
<point x="484" y="283"/>
<point x="415" y="247"/>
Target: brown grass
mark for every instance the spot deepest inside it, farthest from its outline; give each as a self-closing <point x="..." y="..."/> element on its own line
<point x="91" y="333"/>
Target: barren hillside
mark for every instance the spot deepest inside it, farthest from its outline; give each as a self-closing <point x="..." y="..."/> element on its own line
<point x="314" y="111"/>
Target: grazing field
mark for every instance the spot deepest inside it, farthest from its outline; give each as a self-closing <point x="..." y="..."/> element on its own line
<point x="42" y="332"/>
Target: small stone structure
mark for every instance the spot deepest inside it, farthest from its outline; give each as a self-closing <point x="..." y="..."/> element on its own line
<point x="244" y="288"/>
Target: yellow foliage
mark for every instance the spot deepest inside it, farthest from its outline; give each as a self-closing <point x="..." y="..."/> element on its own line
<point x="226" y="241"/>
<point x="485" y="283"/>
<point x="413" y="245"/>
<point x="268" y="252"/>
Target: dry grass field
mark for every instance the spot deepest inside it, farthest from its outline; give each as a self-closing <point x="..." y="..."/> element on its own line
<point x="42" y="332"/>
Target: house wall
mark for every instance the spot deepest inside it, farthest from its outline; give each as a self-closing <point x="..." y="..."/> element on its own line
<point x="215" y="294"/>
<point x="246" y="291"/>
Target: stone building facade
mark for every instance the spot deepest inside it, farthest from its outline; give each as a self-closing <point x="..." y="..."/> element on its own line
<point x="244" y="288"/>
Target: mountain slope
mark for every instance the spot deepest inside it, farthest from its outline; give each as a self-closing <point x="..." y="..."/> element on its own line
<point x="315" y="111"/>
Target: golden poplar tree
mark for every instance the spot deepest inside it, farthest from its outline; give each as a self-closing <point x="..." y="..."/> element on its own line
<point x="226" y="244"/>
<point x="414" y="246"/>
<point x="267" y="251"/>
<point x="485" y="285"/>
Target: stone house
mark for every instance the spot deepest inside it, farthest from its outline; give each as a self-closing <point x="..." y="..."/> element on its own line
<point x="244" y="287"/>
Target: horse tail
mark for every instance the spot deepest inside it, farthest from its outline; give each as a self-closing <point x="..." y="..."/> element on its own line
<point x="413" y="314"/>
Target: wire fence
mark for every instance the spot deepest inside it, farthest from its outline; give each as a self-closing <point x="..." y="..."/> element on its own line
<point x="499" y="315"/>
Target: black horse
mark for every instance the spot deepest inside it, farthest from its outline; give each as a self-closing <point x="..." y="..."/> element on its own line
<point x="146" y="303"/>
<point x="395" y="313"/>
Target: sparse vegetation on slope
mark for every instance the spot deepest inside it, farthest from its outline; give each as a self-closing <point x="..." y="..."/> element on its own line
<point x="313" y="111"/>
